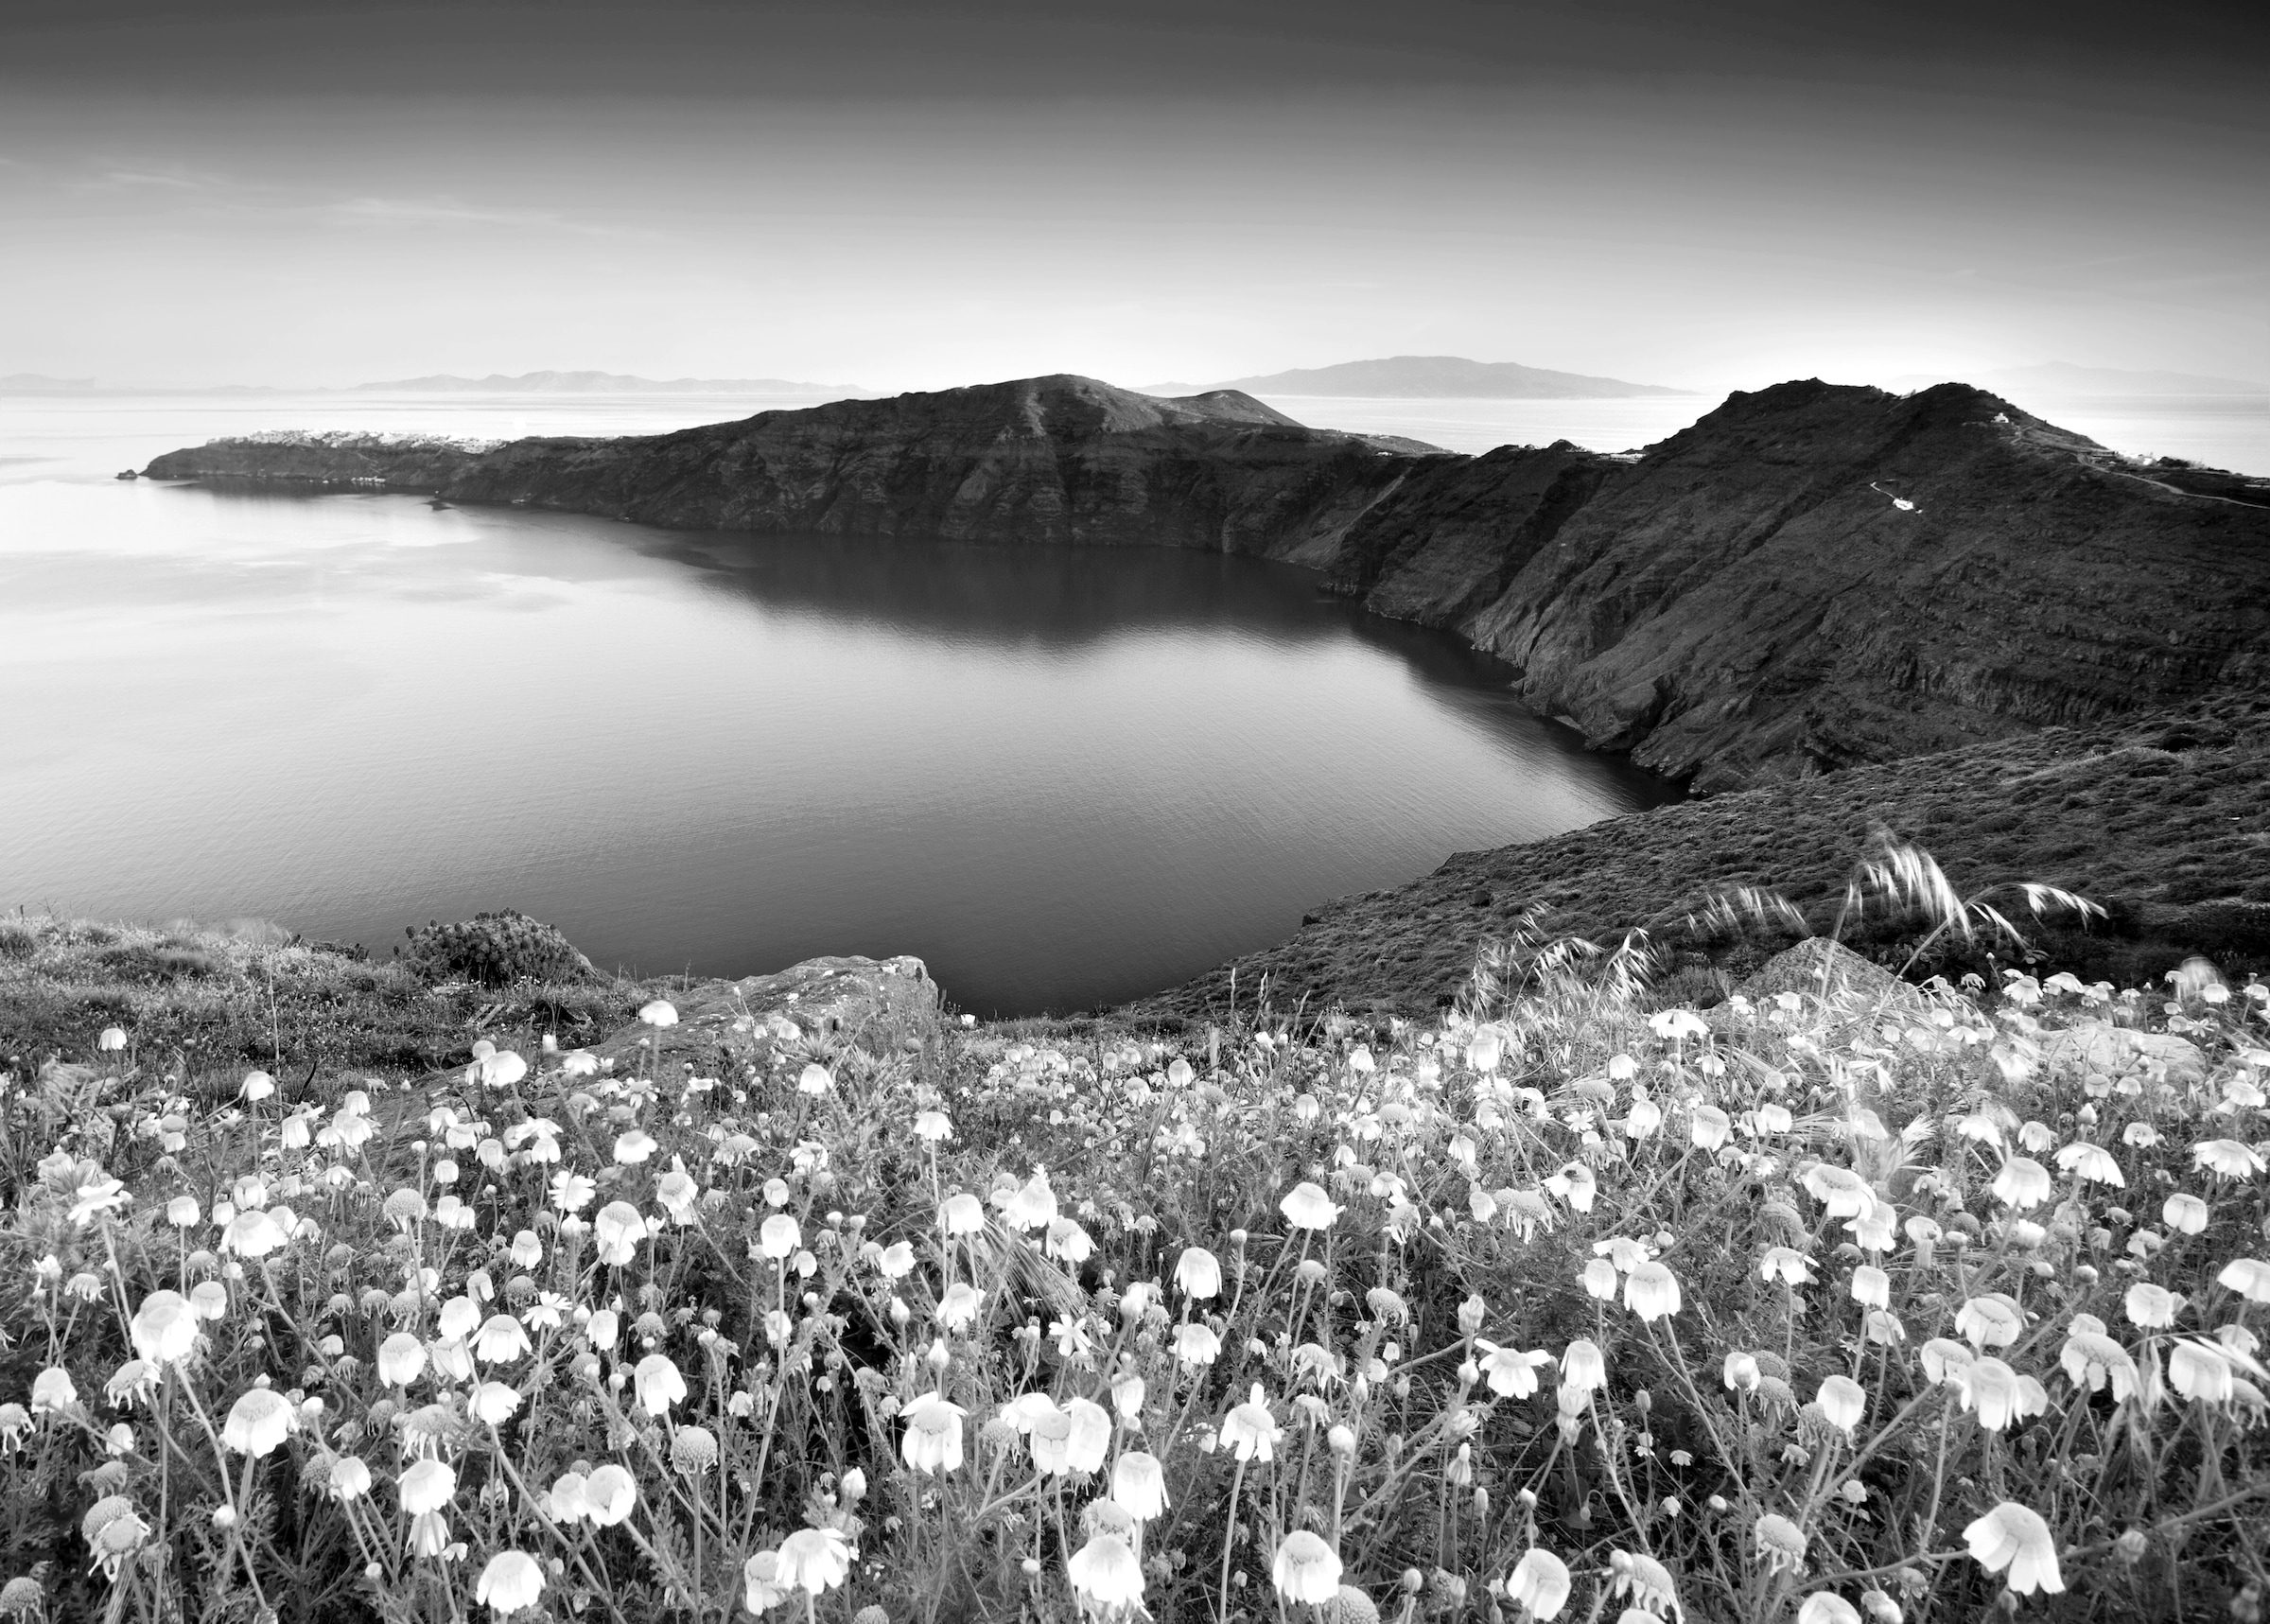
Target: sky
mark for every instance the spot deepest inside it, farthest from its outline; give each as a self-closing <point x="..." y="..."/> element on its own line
<point x="921" y="193"/>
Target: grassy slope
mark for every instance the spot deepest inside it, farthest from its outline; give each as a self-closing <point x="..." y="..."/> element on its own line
<point x="2164" y="819"/>
<point x="206" y="1004"/>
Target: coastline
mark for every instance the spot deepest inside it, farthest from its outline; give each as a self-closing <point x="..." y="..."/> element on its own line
<point x="1809" y="578"/>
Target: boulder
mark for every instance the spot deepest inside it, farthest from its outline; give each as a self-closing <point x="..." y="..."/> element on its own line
<point x="2102" y="1047"/>
<point x="1821" y="966"/>
<point x="1833" y="980"/>
<point x="843" y="1000"/>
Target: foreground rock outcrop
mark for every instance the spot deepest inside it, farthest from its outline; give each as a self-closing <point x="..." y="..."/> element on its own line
<point x="1811" y="577"/>
<point x="838" y="999"/>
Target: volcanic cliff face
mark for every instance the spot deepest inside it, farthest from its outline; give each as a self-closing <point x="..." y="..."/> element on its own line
<point x="1813" y="576"/>
<point x="1810" y="576"/>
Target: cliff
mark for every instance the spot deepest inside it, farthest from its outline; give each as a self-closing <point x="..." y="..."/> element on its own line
<point x="1811" y="577"/>
<point x="1815" y="576"/>
<point x="332" y="457"/>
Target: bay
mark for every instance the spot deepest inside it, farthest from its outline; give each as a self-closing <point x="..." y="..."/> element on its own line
<point x="1062" y="777"/>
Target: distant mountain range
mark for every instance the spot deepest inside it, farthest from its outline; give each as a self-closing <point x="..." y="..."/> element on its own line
<point x="2065" y="380"/>
<point x="1434" y="378"/>
<point x="40" y="383"/>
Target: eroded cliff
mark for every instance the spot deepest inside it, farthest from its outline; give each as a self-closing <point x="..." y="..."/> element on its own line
<point x="1810" y="577"/>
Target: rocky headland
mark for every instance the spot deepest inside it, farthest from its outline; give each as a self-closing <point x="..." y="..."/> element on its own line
<point x="1809" y="578"/>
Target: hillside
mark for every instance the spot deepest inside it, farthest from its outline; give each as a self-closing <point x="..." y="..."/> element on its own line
<point x="1811" y="577"/>
<point x="2164" y="819"/>
<point x="1038" y="460"/>
<point x="1814" y="576"/>
<point x="1435" y="378"/>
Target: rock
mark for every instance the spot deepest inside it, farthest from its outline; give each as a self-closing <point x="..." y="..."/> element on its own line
<point x="1820" y="967"/>
<point x="1811" y="577"/>
<point x="1845" y="990"/>
<point x="1855" y="991"/>
<point x="839" y="1000"/>
<point x="2099" y="1046"/>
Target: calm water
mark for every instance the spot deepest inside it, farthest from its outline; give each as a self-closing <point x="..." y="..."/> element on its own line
<point x="1062" y="777"/>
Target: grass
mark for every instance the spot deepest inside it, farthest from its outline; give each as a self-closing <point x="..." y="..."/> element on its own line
<point x="1564" y="1300"/>
<point x="2163" y="818"/>
<point x="216" y="999"/>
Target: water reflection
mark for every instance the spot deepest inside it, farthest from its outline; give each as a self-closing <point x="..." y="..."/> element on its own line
<point x="1050" y="597"/>
<point x="1063" y="775"/>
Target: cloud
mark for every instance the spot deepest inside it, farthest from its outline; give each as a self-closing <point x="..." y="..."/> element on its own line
<point x="449" y="210"/>
<point x="97" y="172"/>
<point x="140" y="178"/>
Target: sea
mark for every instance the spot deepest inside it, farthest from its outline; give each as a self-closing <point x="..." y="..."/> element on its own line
<point x="1064" y="778"/>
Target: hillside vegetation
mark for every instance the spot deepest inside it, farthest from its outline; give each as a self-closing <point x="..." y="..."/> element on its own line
<point x="2163" y="819"/>
<point x="201" y="998"/>
<point x="1846" y="1301"/>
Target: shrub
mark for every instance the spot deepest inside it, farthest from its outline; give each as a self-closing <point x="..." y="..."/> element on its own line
<point x="2231" y="930"/>
<point x="181" y="960"/>
<point x="17" y="942"/>
<point x="494" y="949"/>
<point x="144" y="963"/>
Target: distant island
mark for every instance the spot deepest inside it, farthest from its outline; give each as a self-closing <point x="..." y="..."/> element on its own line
<point x="40" y="383"/>
<point x="1430" y="377"/>
<point x="2070" y="381"/>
